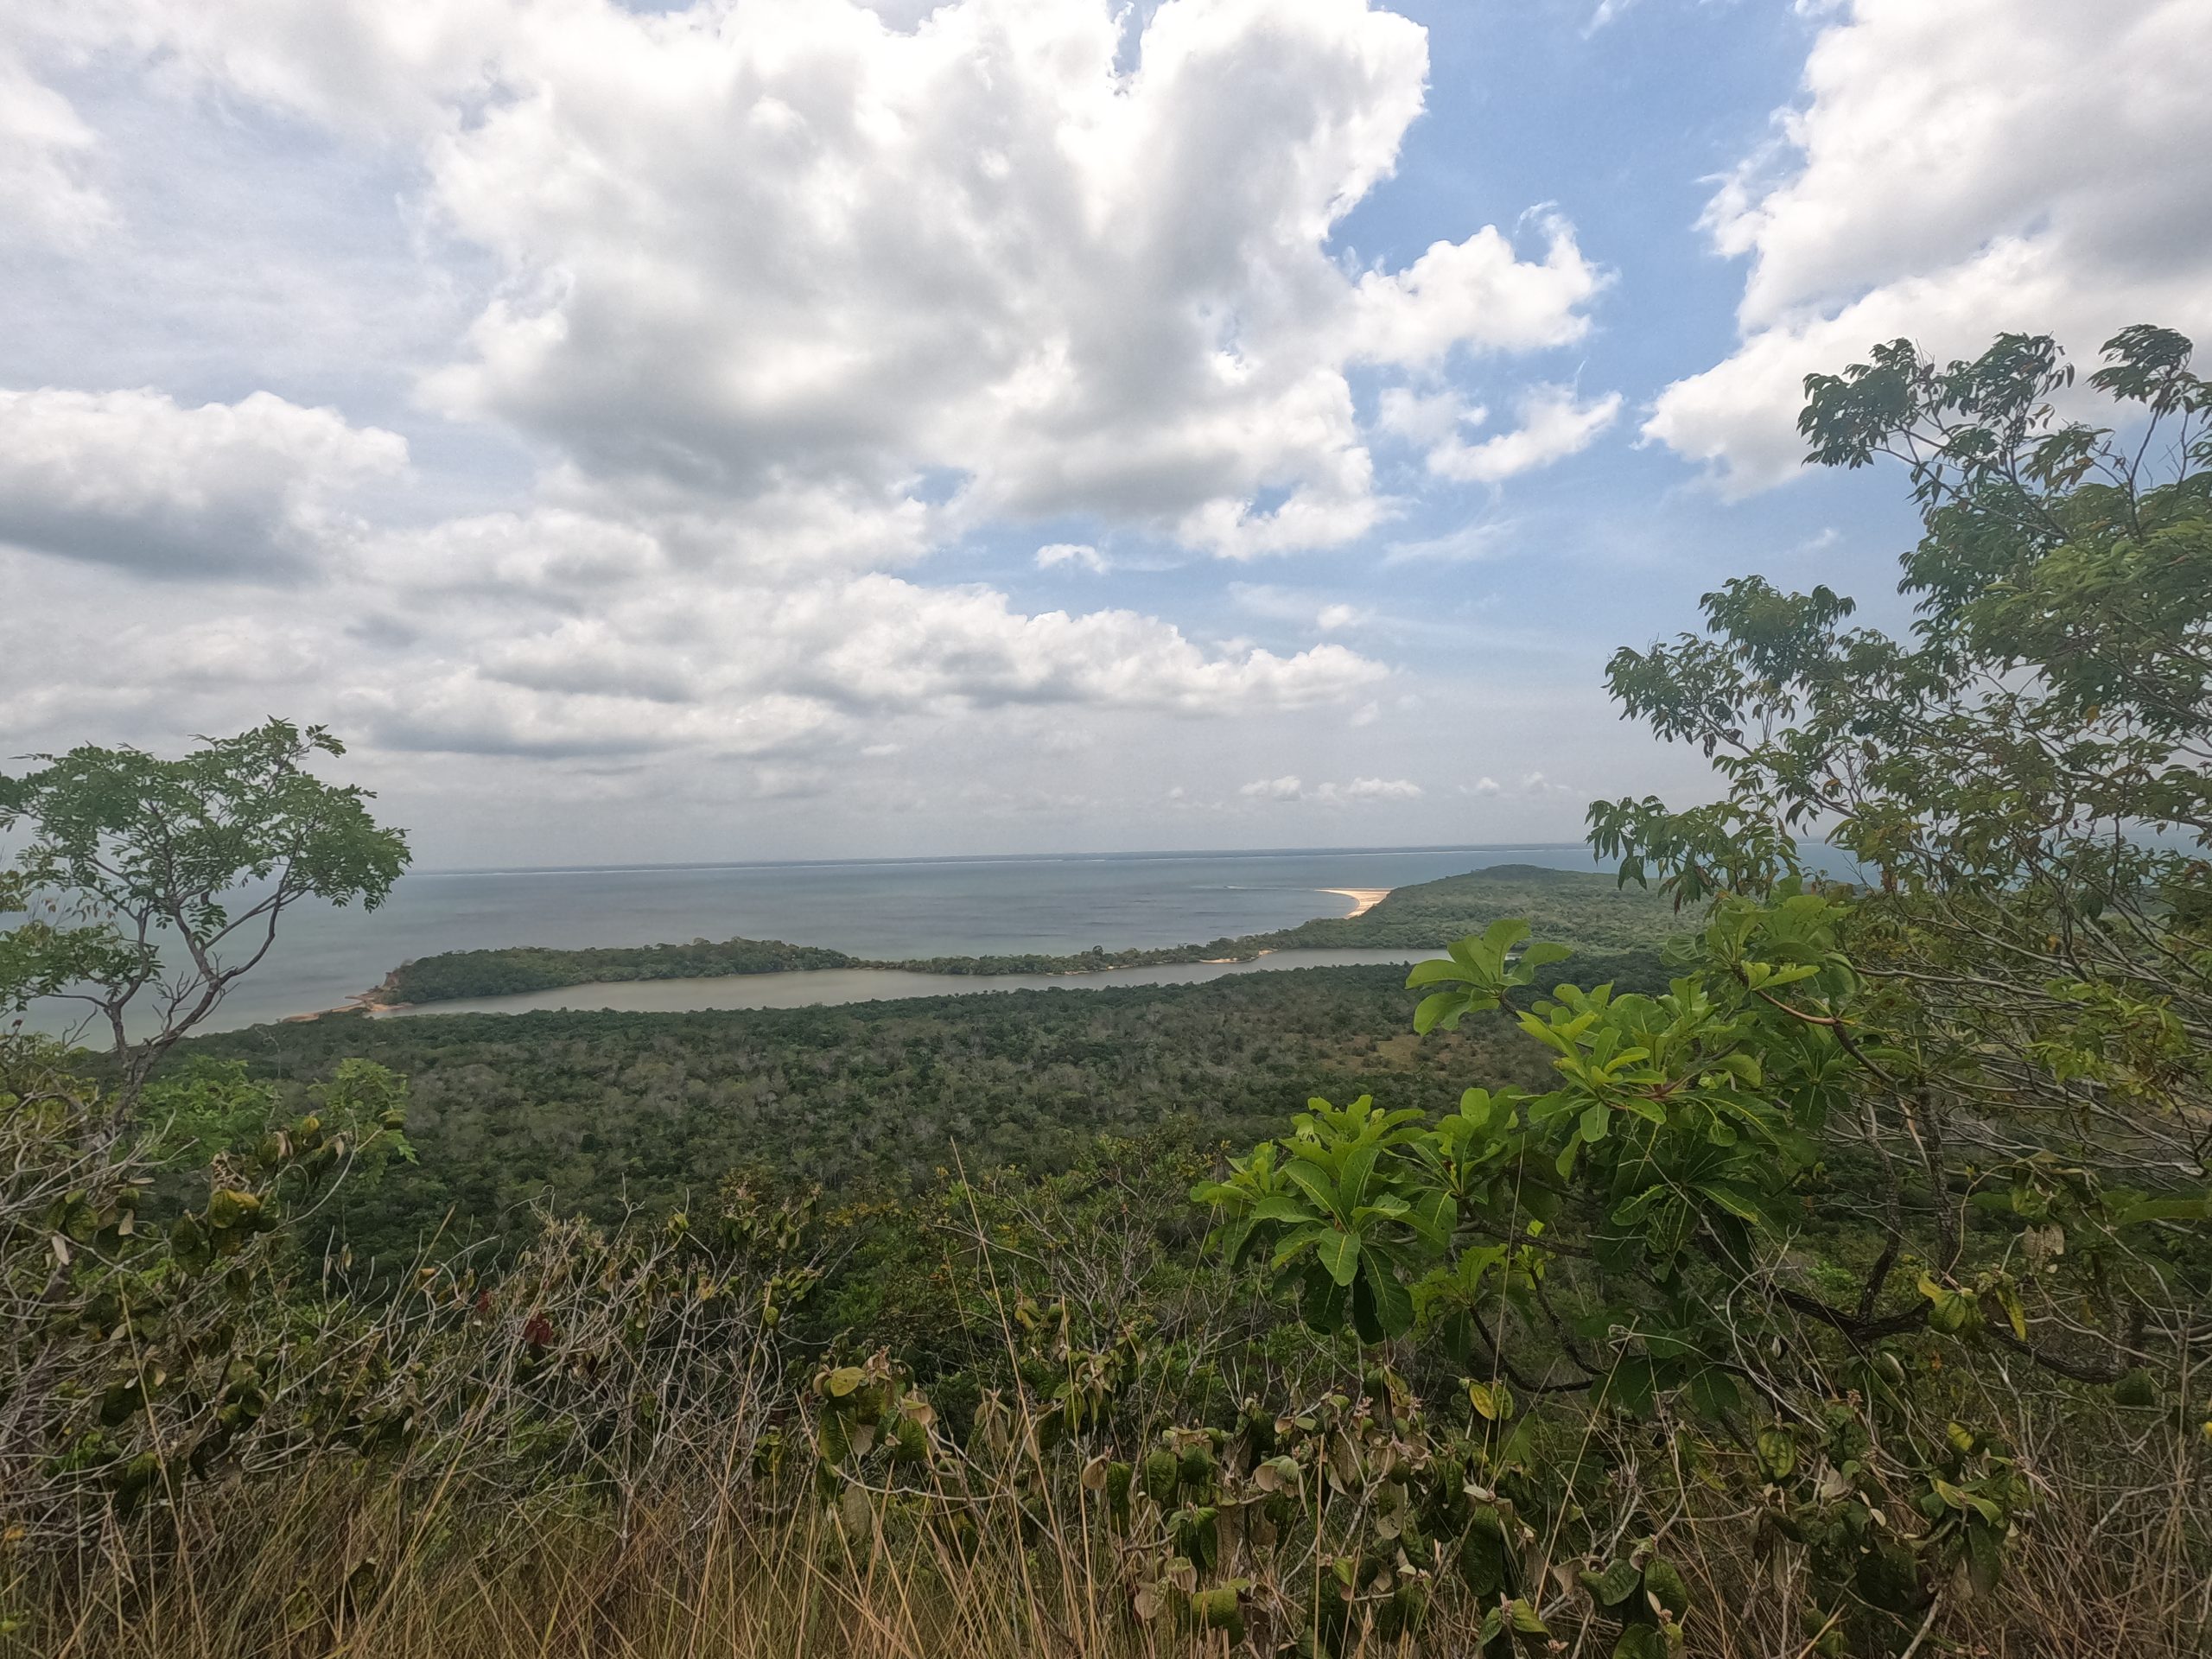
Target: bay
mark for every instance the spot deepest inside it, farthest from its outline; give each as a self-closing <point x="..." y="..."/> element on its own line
<point x="893" y="909"/>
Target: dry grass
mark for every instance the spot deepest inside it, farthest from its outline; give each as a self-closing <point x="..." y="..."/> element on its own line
<point x="350" y="1565"/>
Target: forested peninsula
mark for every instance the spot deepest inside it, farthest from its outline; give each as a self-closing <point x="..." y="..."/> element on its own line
<point x="1588" y="910"/>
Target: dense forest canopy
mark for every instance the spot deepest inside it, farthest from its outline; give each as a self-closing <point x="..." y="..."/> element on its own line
<point x="600" y="1112"/>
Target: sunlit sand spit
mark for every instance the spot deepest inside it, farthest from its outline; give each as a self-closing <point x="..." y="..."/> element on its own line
<point x="1362" y="899"/>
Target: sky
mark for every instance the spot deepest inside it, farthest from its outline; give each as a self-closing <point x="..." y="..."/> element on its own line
<point x="793" y="428"/>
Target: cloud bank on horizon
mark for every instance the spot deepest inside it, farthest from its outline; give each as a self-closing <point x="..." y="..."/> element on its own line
<point x="796" y="425"/>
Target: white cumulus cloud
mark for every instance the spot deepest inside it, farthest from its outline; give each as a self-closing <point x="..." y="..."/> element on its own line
<point x="755" y="670"/>
<point x="1480" y="294"/>
<point x="1381" y="788"/>
<point x="785" y="244"/>
<point x="1081" y="554"/>
<point x="133" y="479"/>
<point x="730" y="337"/>
<point x="1953" y="171"/>
<point x="46" y="193"/>
<point x="1554" y="423"/>
<point x="1293" y="788"/>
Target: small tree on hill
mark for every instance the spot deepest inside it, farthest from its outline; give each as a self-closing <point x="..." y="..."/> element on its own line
<point x="152" y="886"/>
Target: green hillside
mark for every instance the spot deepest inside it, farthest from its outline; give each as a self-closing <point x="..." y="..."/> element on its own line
<point x="1576" y="906"/>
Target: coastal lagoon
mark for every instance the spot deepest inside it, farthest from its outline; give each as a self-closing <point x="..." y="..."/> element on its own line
<point x="887" y="910"/>
<point x="824" y="987"/>
<point x="892" y="910"/>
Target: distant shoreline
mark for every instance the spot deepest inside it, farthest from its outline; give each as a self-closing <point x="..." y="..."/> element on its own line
<point x="818" y="988"/>
<point x="1423" y="917"/>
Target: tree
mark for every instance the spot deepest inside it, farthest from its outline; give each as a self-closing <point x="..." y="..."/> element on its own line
<point x="151" y="885"/>
<point x="138" y="1359"/>
<point x="1963" y="1098"/>
<point x="2026" y="789"/>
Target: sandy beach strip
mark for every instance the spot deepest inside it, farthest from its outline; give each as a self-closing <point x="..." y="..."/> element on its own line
<point x="1362" y="899"/>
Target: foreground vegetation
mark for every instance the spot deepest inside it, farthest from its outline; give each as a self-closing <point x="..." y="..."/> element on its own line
<point x="1845" y="1293"/>
<point x="1587" y="909"/>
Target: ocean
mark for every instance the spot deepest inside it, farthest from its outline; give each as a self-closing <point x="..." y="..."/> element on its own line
<point x="890" y="909"/>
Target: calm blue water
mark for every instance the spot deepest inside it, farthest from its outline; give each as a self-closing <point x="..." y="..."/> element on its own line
<point x="893" y="909"/>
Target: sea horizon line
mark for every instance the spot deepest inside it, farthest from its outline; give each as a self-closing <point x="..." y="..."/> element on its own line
<point x="1154" y="854"/>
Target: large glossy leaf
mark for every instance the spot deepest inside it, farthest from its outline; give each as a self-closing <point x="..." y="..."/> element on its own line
<point x="1338" y="1252"/>
<point x="1292" y="1242"/>
<point x="1323" y="1303"/>
<point x="1433" y="1217"/>
<point x="1739" y="1201"/>
<point x="1437" y="971"/>
<point x="1316" y="1183"/>
<point x="1387" y="1206"/>
<point x="1354" y="1174"/>
<point x="1441" y="1007"/>
<point x="1393" y="1303"/>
